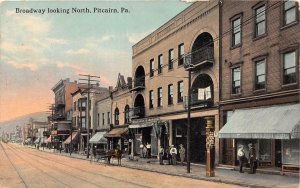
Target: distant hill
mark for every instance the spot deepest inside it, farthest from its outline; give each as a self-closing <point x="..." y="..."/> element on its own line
<point x="10" y="125"/>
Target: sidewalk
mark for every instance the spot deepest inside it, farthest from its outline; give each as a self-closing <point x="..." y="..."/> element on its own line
<point x="223" y="175"/>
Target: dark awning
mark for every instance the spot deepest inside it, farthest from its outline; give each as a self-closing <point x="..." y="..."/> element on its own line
<point x="75" y="136"/>
<point x="276" y="122"/>
<point x="117" y="132"/>
<point x="98" y="138"/>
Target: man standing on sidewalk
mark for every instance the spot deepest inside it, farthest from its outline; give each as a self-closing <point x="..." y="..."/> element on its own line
<point x="181" y="154"/>
<point x="252" y="158"/>
<point x="241" y="156"/>
<point x="173" y="152"/>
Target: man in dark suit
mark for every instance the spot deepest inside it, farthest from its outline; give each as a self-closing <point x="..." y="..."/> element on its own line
<point x="252" y="158"/>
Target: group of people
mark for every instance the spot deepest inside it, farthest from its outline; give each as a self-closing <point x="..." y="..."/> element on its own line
<point x="170" y="154"/>
<point x="243" y="159"/>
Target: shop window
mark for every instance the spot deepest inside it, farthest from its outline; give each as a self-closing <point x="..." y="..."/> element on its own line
<point x="291" y="152"/>
<point x="179" y="132"/>
<point x="264" y="152"/>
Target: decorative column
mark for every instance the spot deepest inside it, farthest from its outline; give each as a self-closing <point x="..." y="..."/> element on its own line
<point x="210" y="147"/>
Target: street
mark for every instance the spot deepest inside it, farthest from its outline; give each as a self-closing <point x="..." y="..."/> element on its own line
<point x="24" y="167"/>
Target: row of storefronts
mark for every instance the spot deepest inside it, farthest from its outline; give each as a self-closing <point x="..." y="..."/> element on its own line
<point x="242" y="89"/>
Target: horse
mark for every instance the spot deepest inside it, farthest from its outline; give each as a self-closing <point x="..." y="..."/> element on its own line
<point x="114" y="153"/>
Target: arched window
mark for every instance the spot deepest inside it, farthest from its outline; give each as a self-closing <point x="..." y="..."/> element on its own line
<point x="117" y="115"/>
<point x="126" y="114"/>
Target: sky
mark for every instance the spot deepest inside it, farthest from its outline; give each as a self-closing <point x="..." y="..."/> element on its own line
<point x="37" y="50"/>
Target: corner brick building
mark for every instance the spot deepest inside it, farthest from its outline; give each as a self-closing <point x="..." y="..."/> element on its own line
<point x="259" y="81"/>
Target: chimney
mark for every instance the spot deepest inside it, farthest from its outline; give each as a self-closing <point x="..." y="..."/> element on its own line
<point x="129" y="82"/>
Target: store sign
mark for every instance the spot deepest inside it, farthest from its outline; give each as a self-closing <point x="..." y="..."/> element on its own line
<point x="145" y="120"/>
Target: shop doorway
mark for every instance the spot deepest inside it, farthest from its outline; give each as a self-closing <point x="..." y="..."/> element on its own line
<point x="198" y="140"/>
<point x="278" y="154"/>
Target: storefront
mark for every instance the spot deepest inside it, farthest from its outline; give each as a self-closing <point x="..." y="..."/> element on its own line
<point x="71" y="143"/>
<point x="148" y="135"/>
<point x="273" y="130"/>
<point x="118" y="136"/>
<point x="99" y="143"/>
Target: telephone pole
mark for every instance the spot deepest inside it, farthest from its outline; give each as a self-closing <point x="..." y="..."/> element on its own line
<point x="87" y="81"/>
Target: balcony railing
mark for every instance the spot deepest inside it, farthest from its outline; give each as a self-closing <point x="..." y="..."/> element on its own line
<point x="138" y="85"/>
<point x="200" y="57"/>
<point x="138" y="112"/>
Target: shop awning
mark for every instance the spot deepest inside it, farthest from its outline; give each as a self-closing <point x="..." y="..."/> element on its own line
<point x="117" y="132"/>
<point x="276" y="122"/>
<point x="75" y="136"/>
<point x="98" y="138"/>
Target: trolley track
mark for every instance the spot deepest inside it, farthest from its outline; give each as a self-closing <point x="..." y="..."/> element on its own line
<point x="15" y="168"/>
<point x="78" y="169"/>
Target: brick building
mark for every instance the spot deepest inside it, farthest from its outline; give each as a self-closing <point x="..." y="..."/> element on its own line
<point x="259" y="81"/>
<point x="160" y="80"/>
<point x="121" y="104"/>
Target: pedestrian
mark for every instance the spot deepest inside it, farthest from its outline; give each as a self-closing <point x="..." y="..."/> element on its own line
<point x="241" y="157"/>
<point x="144" y="151"/>
<point x="252" y="158"/>
<point x="181" y="153"/>
<point x="148" y="146"/>
<point x="161" y="156"/>
<point x="173" y="152"/>
<point x="168" y="155"/>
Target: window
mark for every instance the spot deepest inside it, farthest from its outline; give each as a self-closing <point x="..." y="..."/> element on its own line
<point x="117" y="114"/>
<point x="74" y="106"/>
<point x="170" y="94"/>
<point x="236" y="80"/>
<point x="260" y="21"/>
<point x="171" y="59"/>
<point x="290" y="12"/>
<point x="180" y="54"/>
<point x="151" y="99"/>
<point x="179" y="132"/>
<point x="108" y="118"/>
<point x="180" y="91"/>
<point x="151" y="67"/>
<point x="289" y="67"/>
<point x="159" y="97"/>
<point x="83" y="124"/>
<point x="236" y="32"/>
<point x="126" y="114"/>
<point x="160" y="64"/>
<point x="103" y="119"/>
<point x="98" y="120"/>
<point x="260" y="74"/>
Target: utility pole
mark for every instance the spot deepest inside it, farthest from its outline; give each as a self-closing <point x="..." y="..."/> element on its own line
<point x="87" y="81"/>
<point x="188" y="166"/>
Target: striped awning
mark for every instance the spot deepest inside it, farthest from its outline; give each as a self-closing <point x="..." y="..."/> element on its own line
<point x="275" y="122"/>
<point x="98" y="138"/>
